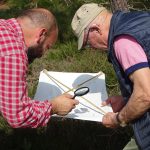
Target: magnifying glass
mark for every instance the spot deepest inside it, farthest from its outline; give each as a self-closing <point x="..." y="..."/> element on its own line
<point x="80" y="91"/>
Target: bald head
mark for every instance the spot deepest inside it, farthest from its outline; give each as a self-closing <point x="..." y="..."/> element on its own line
<point x="39" y="29"/>
<point x="40" y="17"/>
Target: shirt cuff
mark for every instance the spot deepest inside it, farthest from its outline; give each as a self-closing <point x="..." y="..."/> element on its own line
<point x="136" y="67"/>
<point x="47" y="114"/>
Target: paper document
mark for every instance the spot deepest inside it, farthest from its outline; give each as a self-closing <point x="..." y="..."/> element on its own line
<point x="52" y="84"/>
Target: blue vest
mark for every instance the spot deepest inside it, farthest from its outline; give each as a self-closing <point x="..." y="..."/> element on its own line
<point x="137" y="25"/>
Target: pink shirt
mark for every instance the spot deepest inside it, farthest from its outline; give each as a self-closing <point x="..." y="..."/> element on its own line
<point x="130" y="54"/>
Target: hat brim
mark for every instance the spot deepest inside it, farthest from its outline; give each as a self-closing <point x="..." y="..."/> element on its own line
<point x="89" y="19"/>
<point x="80" y="40"/>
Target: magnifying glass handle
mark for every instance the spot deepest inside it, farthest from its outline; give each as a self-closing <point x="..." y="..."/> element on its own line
<point x="73" y="96"/>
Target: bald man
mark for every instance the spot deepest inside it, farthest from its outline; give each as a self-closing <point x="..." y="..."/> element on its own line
<point x="22" y="39"/>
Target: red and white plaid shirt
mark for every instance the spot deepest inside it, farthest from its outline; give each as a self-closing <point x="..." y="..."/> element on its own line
<point x="15" y="105"/>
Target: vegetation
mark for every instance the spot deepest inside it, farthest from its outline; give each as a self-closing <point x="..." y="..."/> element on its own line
<point x="66" y="134"/>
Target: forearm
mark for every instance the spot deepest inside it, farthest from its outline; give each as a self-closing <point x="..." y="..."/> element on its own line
<point x="136" y="107"/>
<point x="139" y="101"/>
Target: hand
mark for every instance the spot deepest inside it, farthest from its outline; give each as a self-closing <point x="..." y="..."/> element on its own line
<point x="63" y="104"/>
<point x="116" y="103"/>
<point x="109" y="120"/>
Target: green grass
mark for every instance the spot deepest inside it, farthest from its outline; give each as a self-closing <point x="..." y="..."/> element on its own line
<point x="66" y="57"/>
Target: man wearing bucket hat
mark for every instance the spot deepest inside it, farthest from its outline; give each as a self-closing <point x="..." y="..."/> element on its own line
<point x="126" y="38"/>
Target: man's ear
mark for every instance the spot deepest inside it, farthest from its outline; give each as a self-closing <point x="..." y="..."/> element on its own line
<point x="96" y="27"/>
<point x="41" y="35"/>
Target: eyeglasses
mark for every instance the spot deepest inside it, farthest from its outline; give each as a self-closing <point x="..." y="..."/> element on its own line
<point x="87" y="42"/>
<point x="87" y="30"/>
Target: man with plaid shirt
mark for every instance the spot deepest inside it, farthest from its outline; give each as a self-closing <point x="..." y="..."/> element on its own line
<point x="27" y="36"/>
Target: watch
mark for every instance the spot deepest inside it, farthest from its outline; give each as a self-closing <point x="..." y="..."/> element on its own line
<point x="121" y="123"/>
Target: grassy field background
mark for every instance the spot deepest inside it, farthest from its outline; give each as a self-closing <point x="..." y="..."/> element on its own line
<point x="62" y="133"/>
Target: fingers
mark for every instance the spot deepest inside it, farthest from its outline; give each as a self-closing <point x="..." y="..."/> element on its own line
<point x="109" y="120"/>
<point x="68" y="95"/>
<point x="63" y="104"/>
<point x="106" y="102"/>
<point x="76" y="102"/>
<point x="103" y="103"/>
<point x="74" y="106"/>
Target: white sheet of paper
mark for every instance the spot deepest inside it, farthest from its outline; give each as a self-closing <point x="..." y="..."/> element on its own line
<point x="48" y="88"/>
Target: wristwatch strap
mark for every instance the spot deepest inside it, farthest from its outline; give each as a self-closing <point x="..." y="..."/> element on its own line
<point x="121" y="123"/>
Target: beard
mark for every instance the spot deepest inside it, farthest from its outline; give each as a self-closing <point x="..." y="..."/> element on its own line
<point x="35" y="51"/>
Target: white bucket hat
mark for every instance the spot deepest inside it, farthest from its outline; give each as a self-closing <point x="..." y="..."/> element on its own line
<point x="83" y="16"/>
